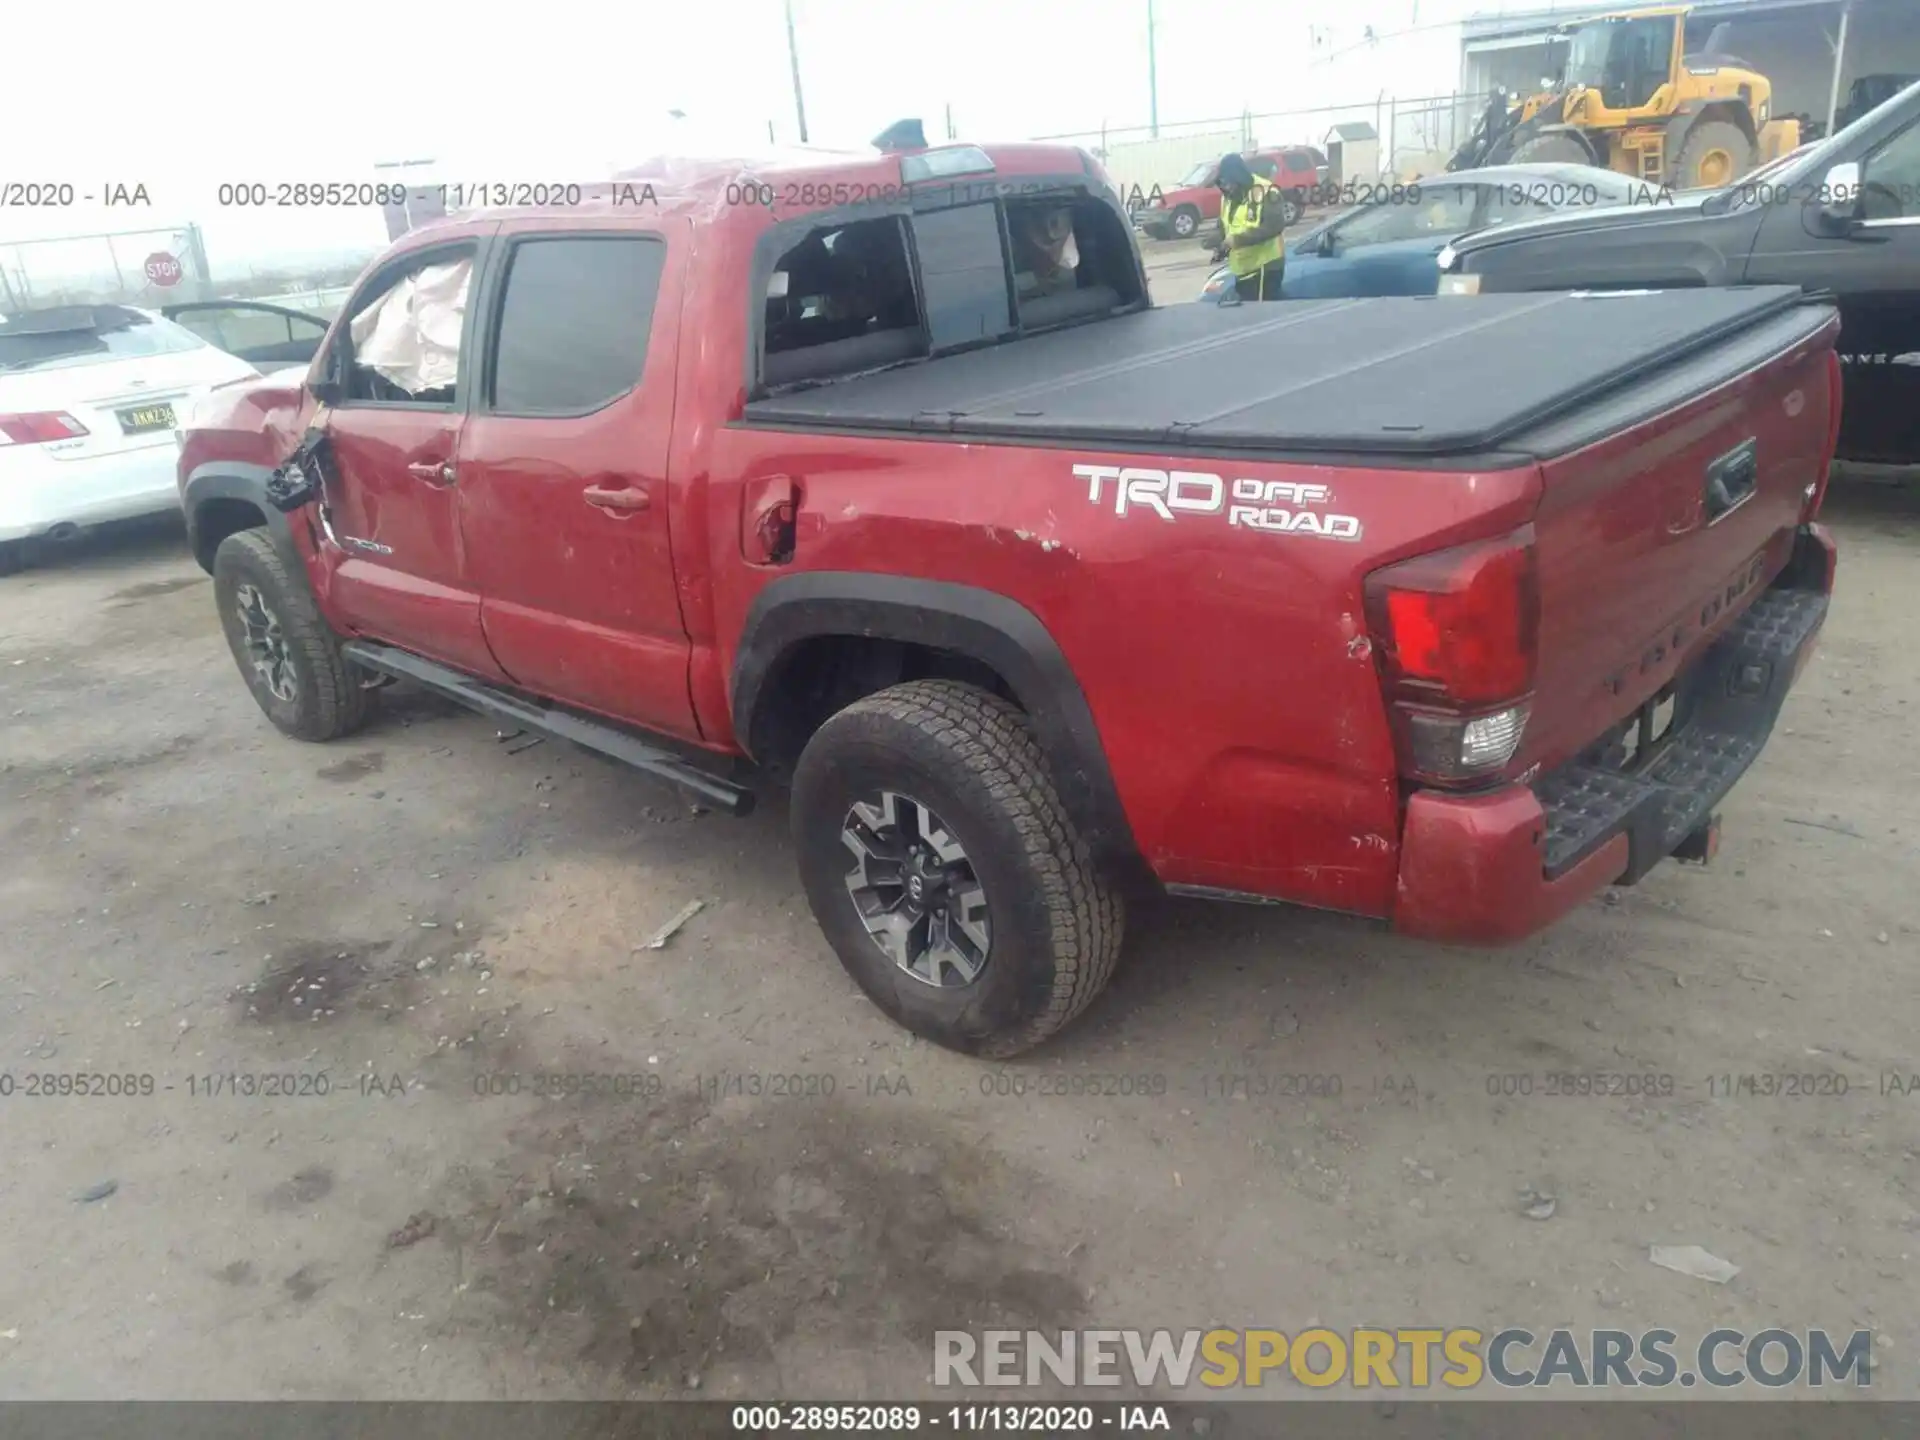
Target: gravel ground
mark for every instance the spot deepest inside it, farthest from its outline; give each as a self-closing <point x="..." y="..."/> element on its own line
<point x="776" y="1192"/>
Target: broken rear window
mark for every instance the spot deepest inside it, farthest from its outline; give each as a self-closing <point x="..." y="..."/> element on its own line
<point x="854" y="297"/>
<point x="842" y="301"/>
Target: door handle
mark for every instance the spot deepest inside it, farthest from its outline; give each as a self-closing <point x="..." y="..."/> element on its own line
<point x="434" y="472"/>
<point x="627" y="500"/>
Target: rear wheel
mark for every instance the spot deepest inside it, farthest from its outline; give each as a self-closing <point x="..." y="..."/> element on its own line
<point x="1715" y="153"/>
<point x="286" y="651"/>
<point x="945" y="872"/>
<point x="1290" y="207"/>
<point x="13" y="556"/>
<point x="1556" y="148"/>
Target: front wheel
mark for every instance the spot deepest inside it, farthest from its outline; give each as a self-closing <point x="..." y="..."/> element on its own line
<point x="1554" y="148"/>
<point x="945" y="872"/>
<point x="1186" y="220"/>
<point x="1715" y="153"/>
<point x="287" y="653"/>
<point x="1290" y="208"/>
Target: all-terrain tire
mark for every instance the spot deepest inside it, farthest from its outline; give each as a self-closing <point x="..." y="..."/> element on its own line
<point x="1551" y="149"/>
<point x="970" y="757"/>
<point x="1712" y="138"/>
<point x="327" y="696"/>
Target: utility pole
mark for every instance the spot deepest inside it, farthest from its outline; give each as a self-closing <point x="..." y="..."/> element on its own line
<point x="793" y="59"/>
<point x="1153" y="77"/>
<point x="1839" y="64"/>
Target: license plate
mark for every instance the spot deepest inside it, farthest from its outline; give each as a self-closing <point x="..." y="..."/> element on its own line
<point x="142" y="418"/>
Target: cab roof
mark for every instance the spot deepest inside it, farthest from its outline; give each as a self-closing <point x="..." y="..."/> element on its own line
<point x="702" y="186"/>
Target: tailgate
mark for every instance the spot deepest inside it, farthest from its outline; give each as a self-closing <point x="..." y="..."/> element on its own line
<point x="1653" y="541"/>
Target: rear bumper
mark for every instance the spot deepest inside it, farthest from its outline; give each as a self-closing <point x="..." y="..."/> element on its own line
<point x="1496" y="867"/>
<point x="39" y="493"/>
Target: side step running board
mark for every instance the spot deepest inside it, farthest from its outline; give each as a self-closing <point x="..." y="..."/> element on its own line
<point x="599" y="736"/>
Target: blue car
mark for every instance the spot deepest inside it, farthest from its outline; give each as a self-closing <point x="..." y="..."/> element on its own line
<point x="1390" y="246"/>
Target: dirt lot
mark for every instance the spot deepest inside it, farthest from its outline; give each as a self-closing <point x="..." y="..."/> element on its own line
<point x="1176" y="269"/>
<point x="425" y="917"/>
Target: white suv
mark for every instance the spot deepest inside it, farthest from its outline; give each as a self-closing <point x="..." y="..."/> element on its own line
<point x="89" y="396"/>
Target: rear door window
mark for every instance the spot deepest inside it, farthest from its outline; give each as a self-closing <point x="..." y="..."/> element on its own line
<point x="262" y="334"/>
<point x="1890" y="180"/>
<point x="1441" y="210"/>
<point x="1502" y="204"/>
<point x="574" y="322"/>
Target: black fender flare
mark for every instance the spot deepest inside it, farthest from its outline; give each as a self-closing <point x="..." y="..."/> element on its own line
<point x="233" y="480"/>
<point x="983" y="626"/>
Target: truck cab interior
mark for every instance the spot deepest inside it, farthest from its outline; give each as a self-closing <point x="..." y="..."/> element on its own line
<point x="849" y="296"/>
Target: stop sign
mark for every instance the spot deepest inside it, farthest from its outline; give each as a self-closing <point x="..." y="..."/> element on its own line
<point x="162" y="269"/>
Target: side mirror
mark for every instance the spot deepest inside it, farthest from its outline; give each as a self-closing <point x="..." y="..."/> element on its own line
<point x="327" y="391"/>
<point x="1840" y="197"/>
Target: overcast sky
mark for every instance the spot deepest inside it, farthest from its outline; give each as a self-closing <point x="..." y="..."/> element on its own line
<point x="185" y="95"/>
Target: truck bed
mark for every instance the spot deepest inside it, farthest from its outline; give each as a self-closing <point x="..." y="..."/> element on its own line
<point x="1432" y="378"/>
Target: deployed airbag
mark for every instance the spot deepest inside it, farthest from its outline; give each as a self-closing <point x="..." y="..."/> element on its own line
<point x="410" y="336"/>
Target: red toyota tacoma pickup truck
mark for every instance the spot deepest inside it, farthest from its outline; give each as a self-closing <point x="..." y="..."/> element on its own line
<point x="882" y="480"/>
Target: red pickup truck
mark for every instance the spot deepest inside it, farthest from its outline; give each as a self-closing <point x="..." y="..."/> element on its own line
<point x="881" y="479"/>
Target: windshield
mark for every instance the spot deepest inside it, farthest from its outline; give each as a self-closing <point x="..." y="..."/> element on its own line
<point x="1625" y="60"/>
<point x="1587" y="57"/>
<point x="86" y="335"/>
<point x="1199" y="175"/>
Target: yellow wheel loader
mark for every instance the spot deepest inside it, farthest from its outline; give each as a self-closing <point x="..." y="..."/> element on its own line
<point x="1629" y="98"/>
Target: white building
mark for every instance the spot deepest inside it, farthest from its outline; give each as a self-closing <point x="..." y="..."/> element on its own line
<point x="1422" y="83"/>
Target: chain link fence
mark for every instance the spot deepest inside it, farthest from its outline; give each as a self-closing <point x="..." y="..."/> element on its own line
<point x="164" y="265"/>
<point x="1412" y="137"/>
<point x="151" y="266"/>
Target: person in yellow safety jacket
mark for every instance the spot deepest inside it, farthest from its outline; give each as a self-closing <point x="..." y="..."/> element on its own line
<point x="1252" y="215"/>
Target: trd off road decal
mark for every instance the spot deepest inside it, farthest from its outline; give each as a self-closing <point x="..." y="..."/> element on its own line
<point x="1283" y="507"/>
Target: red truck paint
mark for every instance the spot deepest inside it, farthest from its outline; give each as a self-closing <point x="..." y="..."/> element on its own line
<point x="1231" y="673"/>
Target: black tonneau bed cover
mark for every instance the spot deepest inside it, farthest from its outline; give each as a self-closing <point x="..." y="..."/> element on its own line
<point x="1426" y="377"/>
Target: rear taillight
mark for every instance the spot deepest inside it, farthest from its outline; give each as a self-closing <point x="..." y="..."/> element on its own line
<point x="39" y="427"/>
<point x="1457" y="633"/>
<point x="1836" y="386"/>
